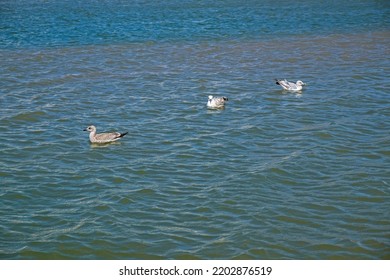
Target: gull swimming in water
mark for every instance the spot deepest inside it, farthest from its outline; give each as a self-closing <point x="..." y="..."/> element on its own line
<point x="102" y="138"/>
<point x="290" y="85"/>
<point x="216" y="102"/>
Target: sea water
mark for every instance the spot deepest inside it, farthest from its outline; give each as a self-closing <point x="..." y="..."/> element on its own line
<point x="275" y="175"/>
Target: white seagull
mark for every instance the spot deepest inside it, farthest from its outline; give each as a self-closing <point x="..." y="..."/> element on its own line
<point x="102" y="138"/>
<point x="216" y="102"/>
<point x="290" y="85"/>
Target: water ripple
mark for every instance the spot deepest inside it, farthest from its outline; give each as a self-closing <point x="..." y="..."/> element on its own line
<point x="274" y="175"/>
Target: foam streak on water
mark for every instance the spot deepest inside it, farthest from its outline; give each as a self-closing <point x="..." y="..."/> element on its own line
<point x="274" y="175"/>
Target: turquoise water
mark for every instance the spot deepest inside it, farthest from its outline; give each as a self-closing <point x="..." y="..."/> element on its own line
<point x="274" y="175"/>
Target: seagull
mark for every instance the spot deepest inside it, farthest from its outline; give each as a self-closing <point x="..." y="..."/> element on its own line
<point x="102" y="138"/>
<point x="290" y="85"/>
<point x="216" y="102"/>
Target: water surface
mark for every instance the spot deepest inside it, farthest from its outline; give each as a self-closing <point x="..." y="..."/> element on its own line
<point x="274" y="175"/>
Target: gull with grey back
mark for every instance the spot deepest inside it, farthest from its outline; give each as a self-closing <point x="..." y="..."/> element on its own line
<point x="102" y="138"/>
<point x="216" y="102"/>
<point x="290" y="85"/>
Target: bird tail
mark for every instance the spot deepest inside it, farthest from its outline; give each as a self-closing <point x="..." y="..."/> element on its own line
<point x="277" y="81"/>
<point x="225" y="98"/>
<point x="123" y="134"/>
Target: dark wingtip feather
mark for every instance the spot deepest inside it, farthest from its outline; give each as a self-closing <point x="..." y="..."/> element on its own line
<point x="123" y="134"/>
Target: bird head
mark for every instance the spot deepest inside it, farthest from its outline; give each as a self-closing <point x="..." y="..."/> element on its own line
<point x="90" y="128"/>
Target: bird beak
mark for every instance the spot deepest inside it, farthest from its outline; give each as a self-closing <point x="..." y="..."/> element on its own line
<point x="84" y="129"/>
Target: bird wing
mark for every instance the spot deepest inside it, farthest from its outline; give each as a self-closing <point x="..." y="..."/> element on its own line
<point x="106" y="137"/>
<point x="219" y="101"/>
<point x="287" y="85"/>
<point x="292" y="86"/>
